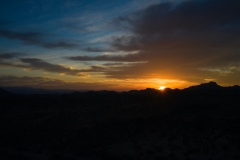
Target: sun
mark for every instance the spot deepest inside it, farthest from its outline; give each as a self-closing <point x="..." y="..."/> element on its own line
<point x="161" y="88"/>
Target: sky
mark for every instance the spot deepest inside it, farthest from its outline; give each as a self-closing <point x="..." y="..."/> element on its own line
<point x="119" y="45"/>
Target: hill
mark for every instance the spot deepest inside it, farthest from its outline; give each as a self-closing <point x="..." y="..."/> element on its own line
<point x="5" y="93"/>
<point x="205" y="86"/>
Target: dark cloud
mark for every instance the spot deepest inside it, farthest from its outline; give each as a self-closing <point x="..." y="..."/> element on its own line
<point x="11" y="55"/>
<point x="38" y="64"/>
<point x="50" y="83"/>
<point x="191" y="24"/>
<point x="60" y="44"/>
<point x="28" y="81"/>
<point x="96" y="49"/>
<point x="36" y="38"/>
<point x="125" y="58"/>
<point x="177" y="40"/>
<point x="28" y="37"/>
<point x="94" y="69"/>
<point x="187" y="16"/>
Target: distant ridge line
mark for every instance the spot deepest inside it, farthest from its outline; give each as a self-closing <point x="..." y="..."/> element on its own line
<point x="13" y="90"/>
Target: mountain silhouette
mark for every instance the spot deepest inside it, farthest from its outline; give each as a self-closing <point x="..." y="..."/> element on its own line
<point x="4" y="93"/>
<point x="205" y="86"/>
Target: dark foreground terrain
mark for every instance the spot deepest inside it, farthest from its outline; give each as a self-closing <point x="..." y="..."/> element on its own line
<point x="200" y="122"/>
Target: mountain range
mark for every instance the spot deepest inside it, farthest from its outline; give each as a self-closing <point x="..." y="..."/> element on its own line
<point x="210" y="86"/>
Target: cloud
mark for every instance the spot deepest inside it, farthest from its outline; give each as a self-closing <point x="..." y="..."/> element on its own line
<point x="50" y="83"/>
<point x="60" y="44"/>
<point x="16" y="60"/>
<point x="125" y="58"/>
<point x="178" y="39"/>
<point x="192" y="24"/>
<point x="96" y="49"/>
<point x="34" y="63"/>
<point x="114" y="64"/>
<point x="5" y="56"/>
<point x="190" y="16"/>
<point x="36" y="38"/>
<point x="94" y="69"/>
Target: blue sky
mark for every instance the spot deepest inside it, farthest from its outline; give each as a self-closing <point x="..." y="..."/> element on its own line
<point x="105" y="44"/>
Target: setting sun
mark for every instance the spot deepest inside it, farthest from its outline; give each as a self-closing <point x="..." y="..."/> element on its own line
<point x="161" y="88"/>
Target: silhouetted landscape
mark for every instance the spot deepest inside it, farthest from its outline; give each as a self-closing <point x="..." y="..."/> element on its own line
<point x="199" y="122"/>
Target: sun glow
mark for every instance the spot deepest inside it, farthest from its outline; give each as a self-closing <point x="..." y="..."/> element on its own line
<point x="161" y="88"/>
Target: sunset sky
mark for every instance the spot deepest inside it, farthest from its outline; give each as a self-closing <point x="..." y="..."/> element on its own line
<point x="119" y="44"/>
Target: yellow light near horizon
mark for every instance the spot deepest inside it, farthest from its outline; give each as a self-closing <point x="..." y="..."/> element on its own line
<point x="161" y="88"/>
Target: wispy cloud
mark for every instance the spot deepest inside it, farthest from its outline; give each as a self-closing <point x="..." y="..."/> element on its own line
<point x="97" y="49"/>
<point x="125" y="58"/>
<point x="16" y="60"/>
<point x="36" y="38"/>
<point x="11" y="55"/>
<point x="50" y="83"/>
<point x="36" y="64"/>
